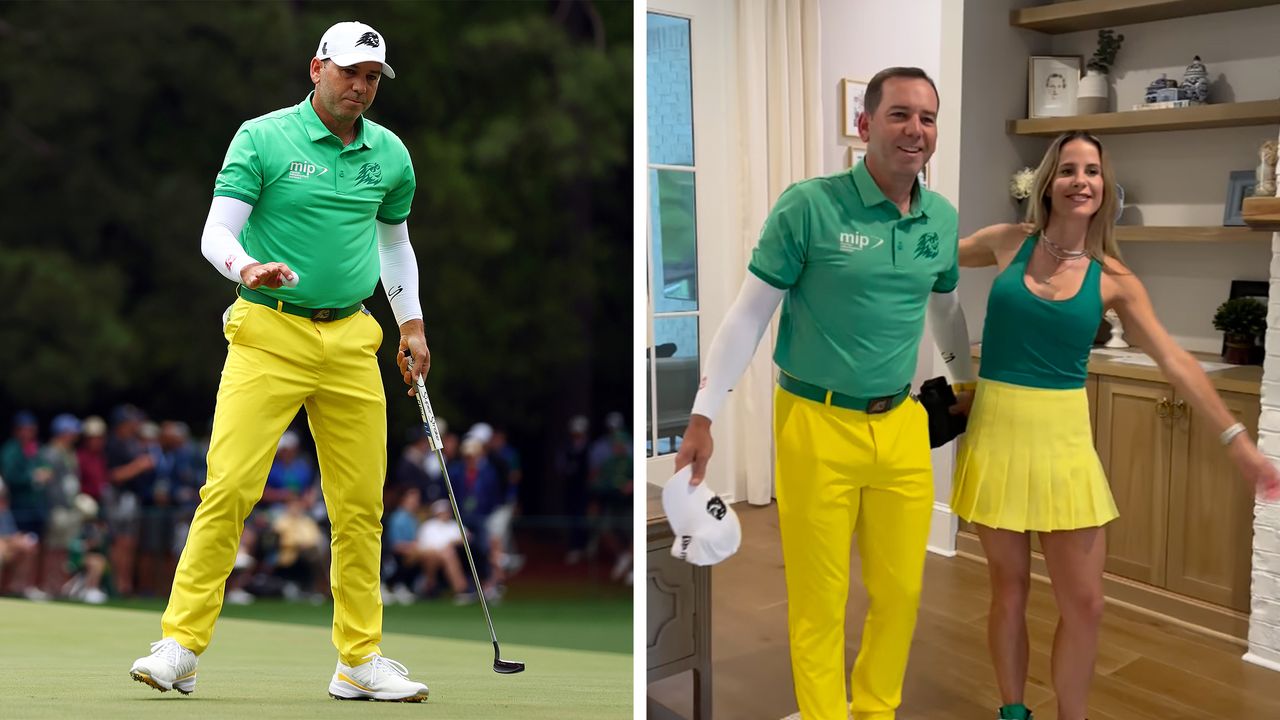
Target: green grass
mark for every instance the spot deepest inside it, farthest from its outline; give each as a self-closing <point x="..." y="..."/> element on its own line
<point x="72" y="661"/>
<point x="571" y="623"/>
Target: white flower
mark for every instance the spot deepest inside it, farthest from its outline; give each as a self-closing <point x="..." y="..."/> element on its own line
<point x="1020" y="185"/>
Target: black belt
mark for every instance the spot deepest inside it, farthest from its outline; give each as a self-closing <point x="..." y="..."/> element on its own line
<point x="871" y="406"/>
<point x="314" y="314"/>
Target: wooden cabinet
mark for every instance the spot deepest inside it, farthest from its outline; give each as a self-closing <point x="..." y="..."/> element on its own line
<point x="1134" y="443"/>
<point x="1186" y="516"/>
<point x="678" y="605"/>
<point x="1210" y="510"/>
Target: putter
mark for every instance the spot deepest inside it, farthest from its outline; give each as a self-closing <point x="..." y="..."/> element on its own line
<point x="505" y="667"/>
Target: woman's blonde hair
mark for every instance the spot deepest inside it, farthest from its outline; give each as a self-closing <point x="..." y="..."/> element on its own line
<point x="1100" y="239"/>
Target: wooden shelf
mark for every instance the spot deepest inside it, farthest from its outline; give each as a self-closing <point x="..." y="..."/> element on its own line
<point x="1241" y="114"/>
<point x="1065" y="17"/>
<point x="1262" y="213"/>
<point x="1210" y="234"/>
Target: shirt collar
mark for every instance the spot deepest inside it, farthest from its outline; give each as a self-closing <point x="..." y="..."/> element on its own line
<point x="872" y="195"/>
<point x="317" y="131"/>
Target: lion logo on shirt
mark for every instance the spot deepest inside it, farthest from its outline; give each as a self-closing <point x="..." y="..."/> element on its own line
<point x="371" y="174"/>
<point x="927" y="246"/>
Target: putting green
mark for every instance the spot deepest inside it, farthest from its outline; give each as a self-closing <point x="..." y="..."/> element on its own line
<point x="72" y="661"/>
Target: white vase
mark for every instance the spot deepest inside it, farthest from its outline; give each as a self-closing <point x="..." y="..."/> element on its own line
<point x="1092" y="94"/>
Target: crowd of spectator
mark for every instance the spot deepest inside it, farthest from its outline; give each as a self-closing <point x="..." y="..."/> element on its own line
<point x="98" y="510"/>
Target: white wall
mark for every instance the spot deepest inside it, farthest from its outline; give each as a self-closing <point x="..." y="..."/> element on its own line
<point x="1170" y="178"/>
<point x="862" y="38"/>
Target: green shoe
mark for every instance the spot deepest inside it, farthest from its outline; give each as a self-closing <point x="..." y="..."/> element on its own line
<point x="1015" y="712"/>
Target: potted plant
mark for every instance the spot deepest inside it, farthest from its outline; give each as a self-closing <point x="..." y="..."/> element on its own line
<point x="1092" y="94"/>
<point x="1242" y="321"/>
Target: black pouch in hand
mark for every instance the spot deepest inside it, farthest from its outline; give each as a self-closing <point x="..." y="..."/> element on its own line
<point x="937" y="398"/>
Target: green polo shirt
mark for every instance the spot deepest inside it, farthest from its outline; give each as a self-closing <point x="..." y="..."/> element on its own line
<point x="858" y="275"/>
<point x="315" y="201"/>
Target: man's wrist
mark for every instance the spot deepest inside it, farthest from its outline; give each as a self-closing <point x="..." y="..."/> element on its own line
<point x="412" y="326"/>
<point x="699" y="422"/>
<point x="960" y="387"/>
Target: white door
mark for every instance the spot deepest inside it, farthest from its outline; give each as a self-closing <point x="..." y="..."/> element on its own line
<point x="687" y="182"/>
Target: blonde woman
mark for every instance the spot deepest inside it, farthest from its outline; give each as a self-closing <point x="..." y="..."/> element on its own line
<point x="1027" y="462"/>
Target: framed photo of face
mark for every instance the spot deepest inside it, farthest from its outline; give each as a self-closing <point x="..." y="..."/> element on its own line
<point x="1052" y="83"/>
<point x="854" y="93"/>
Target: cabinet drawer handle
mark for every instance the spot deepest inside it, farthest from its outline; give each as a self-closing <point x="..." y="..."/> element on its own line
<point x="1179" y="408"/>
<point x="1162" y="407"/>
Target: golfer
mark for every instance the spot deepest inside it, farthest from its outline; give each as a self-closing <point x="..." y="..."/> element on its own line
<point x="308" y="210"/>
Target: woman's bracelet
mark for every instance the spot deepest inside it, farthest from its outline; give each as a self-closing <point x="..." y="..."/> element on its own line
<point x="1230" y="433"/>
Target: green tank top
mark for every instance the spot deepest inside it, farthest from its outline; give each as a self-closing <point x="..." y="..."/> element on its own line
<point x="1039" y="343"/>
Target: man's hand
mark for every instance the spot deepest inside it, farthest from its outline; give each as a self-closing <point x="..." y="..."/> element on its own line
<point x="272" y="275"/>
<point x="964" y="403"/>
<point x="413" y="339"/>
<point x="696" y="447"/>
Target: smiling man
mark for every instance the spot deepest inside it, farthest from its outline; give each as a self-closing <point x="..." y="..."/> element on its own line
<point x="854" y="258"/>
<point x="309" y="211"/>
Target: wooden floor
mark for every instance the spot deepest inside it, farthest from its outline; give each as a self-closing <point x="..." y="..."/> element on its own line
<point x="1147" y="669"/>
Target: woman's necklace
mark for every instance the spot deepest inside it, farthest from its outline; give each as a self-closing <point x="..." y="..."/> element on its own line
<point x="1063" y="256"/>
<point x="1059" y="252"/>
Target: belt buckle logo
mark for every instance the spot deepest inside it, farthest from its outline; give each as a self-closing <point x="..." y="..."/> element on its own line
<point x="320" y="314"/>
<point x="878" y="405"/>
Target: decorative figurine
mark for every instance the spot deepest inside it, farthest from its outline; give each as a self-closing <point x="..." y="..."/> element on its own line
<point x="1266" y="173"/>
<point x="1117" y="331"/>
<point x="1195" y="82"/>
<point x="1157" y="85"/>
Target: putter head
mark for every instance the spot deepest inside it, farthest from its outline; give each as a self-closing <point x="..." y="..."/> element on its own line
<point x="505" y="667"/>
<point x="508" y="667"/>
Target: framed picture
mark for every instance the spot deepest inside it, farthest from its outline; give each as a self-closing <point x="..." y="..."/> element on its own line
<point x="854" y="92"/>
<point x="1258" y="290"/>
<point x="1240" y="185"/>
<point x="856" y="154"/>
<point x="923" y="177"/>
<point x="1052" y="83"/>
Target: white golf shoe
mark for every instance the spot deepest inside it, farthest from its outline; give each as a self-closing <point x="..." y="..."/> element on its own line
<point x="377" y="678"/>
<point x="169" y="667"/>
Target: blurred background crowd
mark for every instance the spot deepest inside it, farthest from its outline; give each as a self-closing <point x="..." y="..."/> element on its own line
<point x="90" y="510"/>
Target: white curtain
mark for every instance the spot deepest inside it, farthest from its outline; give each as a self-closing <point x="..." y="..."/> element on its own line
<point x="780" y="112"/>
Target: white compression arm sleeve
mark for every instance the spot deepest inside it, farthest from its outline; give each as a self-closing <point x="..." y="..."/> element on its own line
<point x="399" y="271"/>
<point x="951" y="334"/>
<point x="220" y="241"/>
<point x="735" y="343"/>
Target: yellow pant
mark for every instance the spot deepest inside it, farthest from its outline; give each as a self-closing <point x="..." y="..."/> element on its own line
<point x="276" y="363"/>
<point x="840" y="472"/>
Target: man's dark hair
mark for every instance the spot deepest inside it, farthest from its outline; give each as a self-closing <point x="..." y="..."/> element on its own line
<point x="876" y="87"/>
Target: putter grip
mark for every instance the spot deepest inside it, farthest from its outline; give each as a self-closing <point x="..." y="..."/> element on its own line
<point x="428" y="415"/>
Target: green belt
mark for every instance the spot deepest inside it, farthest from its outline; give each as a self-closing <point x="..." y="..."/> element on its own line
<point x="316" y="315"/>
<point x="828" y="397"/>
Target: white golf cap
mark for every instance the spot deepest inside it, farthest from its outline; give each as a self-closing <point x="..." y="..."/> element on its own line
<point x="351" y="43"/>
<point x="707" y="530"/>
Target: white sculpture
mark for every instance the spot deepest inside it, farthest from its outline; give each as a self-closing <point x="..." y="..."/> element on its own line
<point x="1266" y="172"/>
<point x="1117" y="332"/>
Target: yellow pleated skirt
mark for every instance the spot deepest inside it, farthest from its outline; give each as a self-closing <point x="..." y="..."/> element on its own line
<point x="1027" y="462"/>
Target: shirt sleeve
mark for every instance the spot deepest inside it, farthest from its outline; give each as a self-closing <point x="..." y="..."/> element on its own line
<point x="396" y="204"/>
<point x="779" y="256"/>
<point x="241" y="173"/>
<point x="949" y="278"/>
